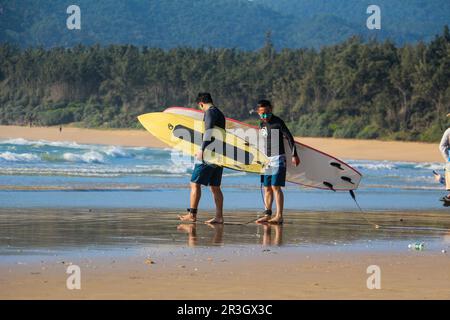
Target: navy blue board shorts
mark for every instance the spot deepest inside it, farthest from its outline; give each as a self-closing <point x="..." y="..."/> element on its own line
<point x="276" y="175"/>
<point x="207" y="175"/>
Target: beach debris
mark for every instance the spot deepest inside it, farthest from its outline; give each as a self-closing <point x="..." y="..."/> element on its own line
<point x="419" y="246"/>
<point x="149" y="261"/>
<point x="182" y="266"/>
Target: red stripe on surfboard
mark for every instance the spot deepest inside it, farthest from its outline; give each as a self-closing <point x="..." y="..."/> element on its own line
<point x="302" y="144"/>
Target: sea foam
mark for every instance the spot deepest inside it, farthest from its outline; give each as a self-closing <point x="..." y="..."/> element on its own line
<point x="88" y="157"/>
<point x="18" y="157"/>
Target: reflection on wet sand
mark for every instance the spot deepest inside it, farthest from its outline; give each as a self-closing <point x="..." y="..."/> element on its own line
<point x="277" y="239"/>
<point x="217" y="238"/>
<point x="191" y="230"/>
<point x="28" y="231"/>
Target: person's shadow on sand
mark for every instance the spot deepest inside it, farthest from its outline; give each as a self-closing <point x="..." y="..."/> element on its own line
<point x="191" y="230"/>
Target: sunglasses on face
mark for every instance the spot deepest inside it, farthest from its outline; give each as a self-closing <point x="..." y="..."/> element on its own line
<point x="265" y="115"/>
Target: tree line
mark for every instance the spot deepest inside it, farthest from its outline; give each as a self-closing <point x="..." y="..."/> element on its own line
<point x="355" y="89"/>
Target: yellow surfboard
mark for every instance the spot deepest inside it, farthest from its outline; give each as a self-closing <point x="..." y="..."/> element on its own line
<point x="186" y="135"/>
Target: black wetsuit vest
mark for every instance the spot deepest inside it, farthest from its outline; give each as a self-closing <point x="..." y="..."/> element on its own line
<point x="213" y="118"/>
<point x="276" y="123"/>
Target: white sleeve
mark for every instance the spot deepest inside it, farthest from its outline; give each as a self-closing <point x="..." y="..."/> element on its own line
<point x="444" y="145"/>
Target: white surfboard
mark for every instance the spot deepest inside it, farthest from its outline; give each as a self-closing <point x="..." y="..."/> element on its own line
<point x="316" y="170"/>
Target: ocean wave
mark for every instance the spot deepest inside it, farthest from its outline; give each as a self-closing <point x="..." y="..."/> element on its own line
<point x="88" y="157"/>
<point x="430" y="166"/>
<point x="376" y="166"/>
<point x="400" y="187"/>
<point x="116" y="152"/>
<point x="110" y="150"/>
<point x="42" y="143"/>
<point x="397" y="165"/>
<point x="61" y="151"/>
<point x="19" y="157"/>
<point x="96" y="171"/>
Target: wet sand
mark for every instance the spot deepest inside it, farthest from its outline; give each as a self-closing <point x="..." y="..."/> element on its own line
<point x="142" y="254"/>
<point x="341" y="148"/>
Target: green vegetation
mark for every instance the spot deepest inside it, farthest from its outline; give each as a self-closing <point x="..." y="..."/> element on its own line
<point x="355" y="89"/>
<point x="217" y="23"/>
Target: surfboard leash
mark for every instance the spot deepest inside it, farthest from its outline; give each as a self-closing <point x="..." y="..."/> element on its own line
<point x="352" y="194"/>
<point x="264" y="203"/>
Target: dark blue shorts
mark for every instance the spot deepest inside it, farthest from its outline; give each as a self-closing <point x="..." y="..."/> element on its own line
<point x="207" y="175"/>
<point x="277" y="177"/>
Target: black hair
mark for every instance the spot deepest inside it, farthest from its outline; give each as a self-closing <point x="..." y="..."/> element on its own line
<point x="264" y="104"/>
<point x="204" y="97"/>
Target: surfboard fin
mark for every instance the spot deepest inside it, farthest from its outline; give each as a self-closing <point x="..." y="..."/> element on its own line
<point x="347" y="179"/>
<point x="329" y="185"/>
<point x="336" y="165"/>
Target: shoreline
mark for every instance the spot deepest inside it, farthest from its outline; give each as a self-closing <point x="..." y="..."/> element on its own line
<point x="341" y="148"/>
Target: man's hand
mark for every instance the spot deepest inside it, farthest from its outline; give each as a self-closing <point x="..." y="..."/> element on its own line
<point x="295" y="160"/>
<point x="199" y="155"/>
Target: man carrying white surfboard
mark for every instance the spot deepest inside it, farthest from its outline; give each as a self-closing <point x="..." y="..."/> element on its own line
<point x="273" y="129"/>
<point x="204" y="173"/>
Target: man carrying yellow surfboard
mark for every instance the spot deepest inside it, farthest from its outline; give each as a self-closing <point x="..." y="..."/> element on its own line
<point x="273" y="129"/>
<point x="204" y="173"/>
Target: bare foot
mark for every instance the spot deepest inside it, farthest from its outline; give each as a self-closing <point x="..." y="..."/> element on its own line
<point x="263" y="219"/>
<point x="214" y="221"/>
<point x="188" y="217"/>
<point x="276" y="220"/>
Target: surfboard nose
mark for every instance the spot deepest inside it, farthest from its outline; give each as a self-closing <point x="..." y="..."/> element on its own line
<point x="147" y="119"/>
<point x="142" y="118"/>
